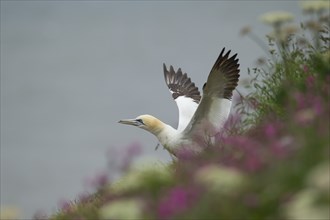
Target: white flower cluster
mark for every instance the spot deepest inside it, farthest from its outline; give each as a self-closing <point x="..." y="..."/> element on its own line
<point x="304" y="204"/>
<point x="135" y="178"/>
<point x="122" y="209"/>
<point x="220" y="179"/>
<point x="276" y="17"/>
<point x="315" y="6"/>
<point x="9" y="212"/>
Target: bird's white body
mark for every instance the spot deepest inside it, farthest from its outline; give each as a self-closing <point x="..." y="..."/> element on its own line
<point x="199" y="117"/>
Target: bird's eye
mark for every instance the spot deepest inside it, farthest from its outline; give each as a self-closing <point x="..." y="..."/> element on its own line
<point x="140" y="121"/>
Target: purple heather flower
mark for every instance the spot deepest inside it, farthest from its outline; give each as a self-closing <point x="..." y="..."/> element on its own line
<point x="281" y="147"/>
<point x="300" y="99"/>
<point x="65" y="205"/>
<point x="270" y="130"/>
<point x="252" y="162"/>
<point x="177" y="201"/>
<point x="310" y="81"/>
<point x="98" y="181"/>
<point x="309" y="102"/>
<point x="305" y="69"/>
<point x="317" y="105"/>
<point x="244" y="153"/>
<point x="84" y="197"/>
<point x="185" y="153"/>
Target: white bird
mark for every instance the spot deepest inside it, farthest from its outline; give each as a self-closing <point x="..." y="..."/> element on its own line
<point x="198" y="116"/>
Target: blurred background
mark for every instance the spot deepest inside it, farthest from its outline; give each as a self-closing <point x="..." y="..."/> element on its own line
<point x="71" y="69"/>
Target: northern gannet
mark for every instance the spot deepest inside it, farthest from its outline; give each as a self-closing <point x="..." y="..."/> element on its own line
<point x="198" y="116"/>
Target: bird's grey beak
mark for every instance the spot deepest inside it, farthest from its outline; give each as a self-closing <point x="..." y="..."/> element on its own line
<point x="129" y="122"/>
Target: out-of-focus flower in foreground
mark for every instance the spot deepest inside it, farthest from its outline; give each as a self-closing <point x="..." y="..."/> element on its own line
<point x="122" y="209"/>
<point x="303" y="206"/>
<point x="219" y="179"/>
<point x="137" y="176"/>
<point x="276" y="17"/>
<point x="306" y="204"/>
<point x="98" y="181"/>
<point x="305" y="116"/>
<point x="284" y="33"/>
<point x="9" y="212"/>
<point x="65" y="205"/>
<point x="176" y="201"/>
<point x="315" y="6"/>
<point x="319" y="178"/>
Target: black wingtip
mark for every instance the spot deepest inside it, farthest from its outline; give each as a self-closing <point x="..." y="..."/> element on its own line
<point x="234" y="57"/>
<point x="227" y="54"/>
<point x="225" y="68"/>
<point x="179" y="72"/>
<point x="165" y="68"/>
<point x="222" y="51"/>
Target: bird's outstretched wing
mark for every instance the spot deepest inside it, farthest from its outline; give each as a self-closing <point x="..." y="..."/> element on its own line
<point x="185" y="94"/>
<point x="215" y="104"/>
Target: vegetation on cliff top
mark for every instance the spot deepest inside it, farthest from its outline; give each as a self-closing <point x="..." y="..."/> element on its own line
<point x="271" y="161"/>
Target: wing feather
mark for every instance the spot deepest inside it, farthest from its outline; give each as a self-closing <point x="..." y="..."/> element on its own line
<point x="184" y="92"/>
<point x="214" y="107"/>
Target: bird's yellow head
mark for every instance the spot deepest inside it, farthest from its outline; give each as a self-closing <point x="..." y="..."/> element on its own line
<point x="146" y="122"/>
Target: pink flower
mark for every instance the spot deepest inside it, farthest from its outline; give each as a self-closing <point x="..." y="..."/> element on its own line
<point x="310" y="81"/>
<point x="309" y="101"/>
<point x="300" y="99"/>
<point x="185" y="153"/>
<point x="98" y="181"/>
<point x="177" y="201"/>
<point x="65" y="205"/>
<point x="317" y="106"/>
<point x="281" y="148"/>
<point x="84" y="198"/>
<point x="242" y="152"/>
<point x="252" y="163"/>
<point x="270" y="130"/>
<point x="101" y="180"/>
<point x="305" y="68"/>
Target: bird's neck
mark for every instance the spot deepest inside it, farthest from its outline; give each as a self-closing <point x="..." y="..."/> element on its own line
<point x="166" y="134"/>
<point x="169" y="138"/>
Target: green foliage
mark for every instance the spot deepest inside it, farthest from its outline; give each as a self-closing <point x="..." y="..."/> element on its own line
<point x="293" y="57"/>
